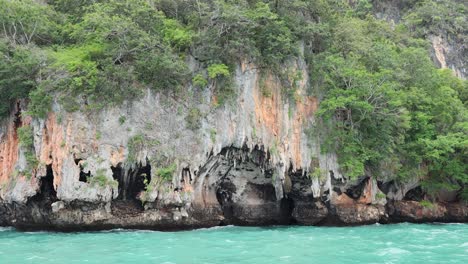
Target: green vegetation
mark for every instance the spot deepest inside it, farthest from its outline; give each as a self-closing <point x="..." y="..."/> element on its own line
<point x="274" y="148"/>
<point x="26" y="140"/>
<point x="265" y="89"/>
<point x="101" y="179"/>
<point x="148" y="126"/>
<point x="162" y="175"/>
<point x="380" y="195"/>
<point x="40" y="102"/>
<point x="19" y="66"/>
<point x="426" y="204"/>
<point x="167" y="172"/>
<point x="218" y="70"/>
<point x="199" y="81"/>
<point x="432" y="17"/>
<point x="193" y="118"/>
<point x="384" y="105"/>
<point x="213" y="135"/>
<point x="122" y="120"/>
<point x="25" y="136"/>
<point x="319" y="174"/>
<point x="136" y="144"/>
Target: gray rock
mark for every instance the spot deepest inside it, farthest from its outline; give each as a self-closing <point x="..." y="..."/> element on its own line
<point x="57" y="206"/>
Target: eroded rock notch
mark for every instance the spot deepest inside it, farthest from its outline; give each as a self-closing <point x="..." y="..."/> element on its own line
<point x="132" y="181"/>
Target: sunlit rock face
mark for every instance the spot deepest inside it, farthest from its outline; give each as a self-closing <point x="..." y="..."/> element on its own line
<point x="164" y="162"/>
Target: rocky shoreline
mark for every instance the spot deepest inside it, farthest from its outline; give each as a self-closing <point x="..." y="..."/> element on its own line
<point x="67" y="217"/>
<point x="238" y="186"/>
<point x="255" y="164"/>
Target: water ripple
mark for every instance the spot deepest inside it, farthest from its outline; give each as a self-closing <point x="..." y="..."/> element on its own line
<point x="401" y="243"/>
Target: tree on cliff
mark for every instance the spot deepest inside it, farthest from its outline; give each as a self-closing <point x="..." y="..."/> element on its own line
<point x="384" y="106"/>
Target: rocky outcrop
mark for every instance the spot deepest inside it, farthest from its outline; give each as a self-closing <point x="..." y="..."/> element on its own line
<point x="447" y="54"/>
<point x="234" y="187"/>
<point x="309" y="213"/>
<point x="418" y="212"/>
<point x="163" y="162"/>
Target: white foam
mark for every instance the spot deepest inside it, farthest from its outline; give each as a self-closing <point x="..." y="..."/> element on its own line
<point x="215" y="227"/>
<point x="393" y="252"/>
<point x="6" y="228"/>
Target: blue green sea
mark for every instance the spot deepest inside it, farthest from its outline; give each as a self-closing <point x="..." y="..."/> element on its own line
<point x="399" y="243"/>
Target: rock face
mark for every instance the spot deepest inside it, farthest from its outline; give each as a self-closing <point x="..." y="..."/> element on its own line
<point x="413" y="211"/>
<point x="174" y="163"/>
<point x="447" y="54"/>
<point x="447" y="49"/>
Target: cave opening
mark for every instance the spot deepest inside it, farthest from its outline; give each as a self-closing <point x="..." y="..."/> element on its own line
<point x="245" y="189"/>
<point x="224" y="192"/>
<point x="356" y="191"/>
<point x="139" y="179"/>
<point x="131" y="182"/>
<point x="84" y="176"/>
<point x="415" y="194"/>
<point x="46" y="192"/>
<point x="256" y="205"/>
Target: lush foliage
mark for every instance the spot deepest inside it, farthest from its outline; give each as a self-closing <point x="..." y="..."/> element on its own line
<point x="385" y="109"/>
<point x="166" y="173"/>
<point x="25" y="136"/>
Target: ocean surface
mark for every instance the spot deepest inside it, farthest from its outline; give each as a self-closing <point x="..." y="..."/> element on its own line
<point x="399" y="243"/>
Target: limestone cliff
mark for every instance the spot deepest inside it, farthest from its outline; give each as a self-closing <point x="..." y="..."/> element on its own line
<point x="164" y="162"/>
<point x="448" y="49"/>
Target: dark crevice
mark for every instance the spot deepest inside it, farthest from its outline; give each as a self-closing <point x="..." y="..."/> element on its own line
<point x="224" y="196"/>
<point x="356" y="191"/>
<point x="416" y="194"/>
<point x="46" y="193"/>
<point x="287" y="207"/>
<point x="386" y="187"/>
<point x="335" y="181"/>
<point x="254" y="203"/>
<point x="18" y="121"/>
<point x="337" y="190"/>
<point x="138" y="177"/>
<point x="118" y="175"/>
<point x="185" y="173"/>
<point x="300" y="184"/>
<point x="131" y="182"/>
<point x="84" y="176"/>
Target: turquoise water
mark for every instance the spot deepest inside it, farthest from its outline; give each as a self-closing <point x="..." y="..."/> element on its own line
<point x="402" y="243"/>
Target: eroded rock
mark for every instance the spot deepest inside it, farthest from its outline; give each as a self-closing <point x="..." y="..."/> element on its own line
<point x="309" y="213"/>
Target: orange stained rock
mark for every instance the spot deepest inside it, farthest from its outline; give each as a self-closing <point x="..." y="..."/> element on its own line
<point x="8" y="152"/>
<point x="9" y="143"/>
<point x="270" y="114"/>
<point x="305" y="109"/>
<point x="117" y="156"/>
<point x="268" y="109"/>
<point x="342" y="199"/>
<point x="54" y="147"/>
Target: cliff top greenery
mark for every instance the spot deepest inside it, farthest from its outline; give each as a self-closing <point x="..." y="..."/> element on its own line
<point x="385" y="108"/>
